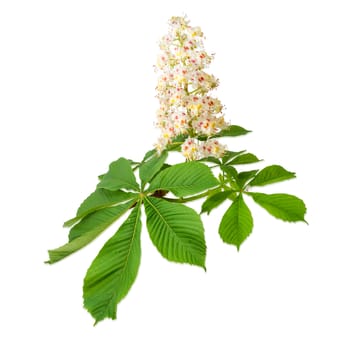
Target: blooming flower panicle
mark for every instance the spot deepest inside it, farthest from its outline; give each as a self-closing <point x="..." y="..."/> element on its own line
<point x="183" y="90"/>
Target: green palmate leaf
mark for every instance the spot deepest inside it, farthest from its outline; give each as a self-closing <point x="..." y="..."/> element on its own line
<point x="232" y="130"/>
<point x="149" y="168"/>
<point x="100" y="177"/>
<point x="238" y="180"/>
<point x="245" y="176"/>
<point x="184" y="179"/>
<point x="229" y="155"/>
<point x="231" y="176"/>
<point x="88" y="229"/>
<point x="99" y="199"/>
<point x="103" y="198"/>
<point x="214" y="201"/>
<point x="237" y="223"/>
<point x="120" y="175"/>
<point x="271" y="174"/>
<point x="114" y="270"/>
<point x="99" y="220"/>
<point x="149" y="154"/>
<point x="246" y="158"/>
<point x="282" y="206"/>
<point x="230" y="171"/>
<point x="176" y="231"/>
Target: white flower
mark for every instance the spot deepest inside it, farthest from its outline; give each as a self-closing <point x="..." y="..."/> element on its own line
<point x="193" y="149"/>
<point x="190" y="149"/>
<point x="183" y="90"/>
<point x="212" y="148"/>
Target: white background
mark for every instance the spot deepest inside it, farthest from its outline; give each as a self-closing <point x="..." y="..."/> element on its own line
<point x="77" y="92"/>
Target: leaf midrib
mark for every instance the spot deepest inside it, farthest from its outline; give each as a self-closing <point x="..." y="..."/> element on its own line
<point x="170" y="228"/>
<point x="113" y="295"/>
<point x="283" y="211"/>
